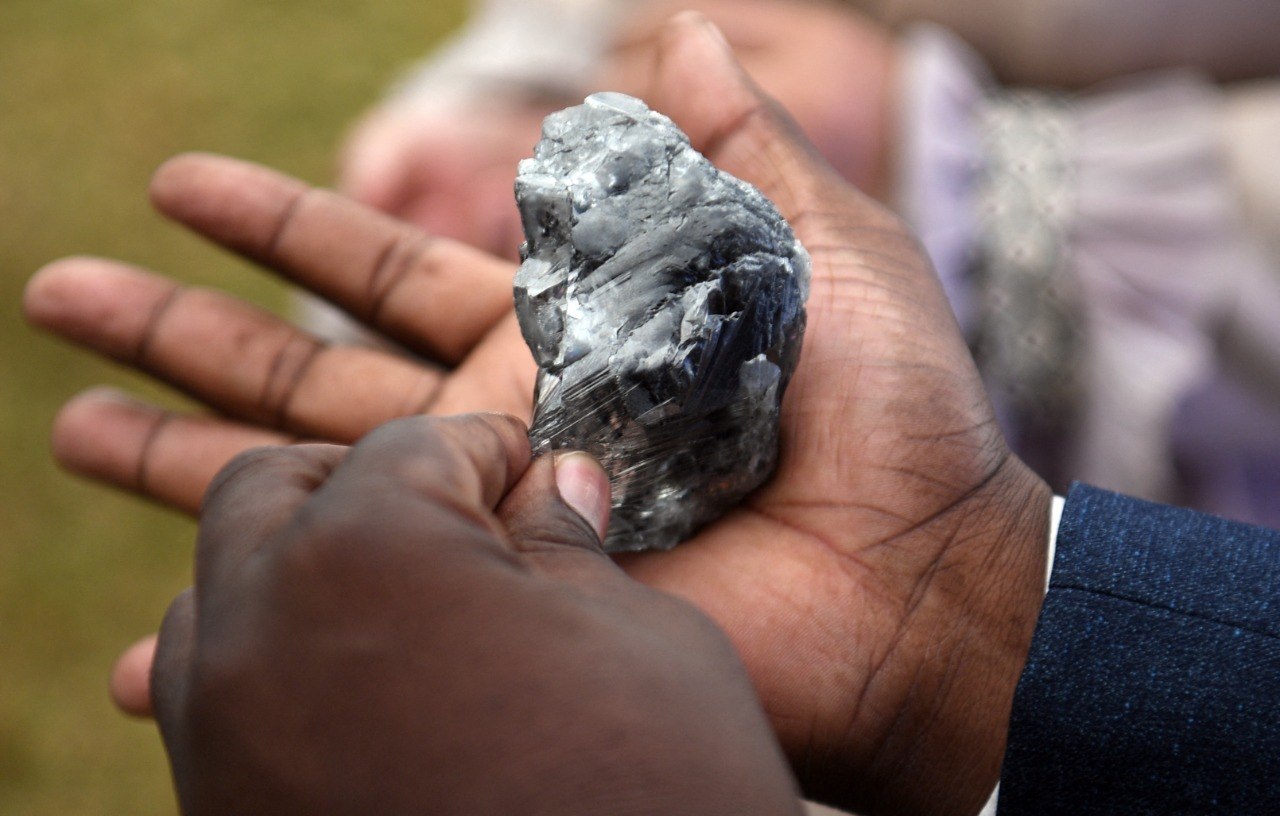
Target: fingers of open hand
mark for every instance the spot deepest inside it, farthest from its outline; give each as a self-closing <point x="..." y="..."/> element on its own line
<point x="243" y="362"/>
<point x="435" y="296"/>
<point x="237" y="358"/>
<point x="170" y="457"/>
<point x="498" y="376"/>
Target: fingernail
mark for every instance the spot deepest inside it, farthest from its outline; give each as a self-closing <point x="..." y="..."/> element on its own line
<point x="584" y="486"/>
<point x="107" y="393"/>
<point x="713" y="31"/>
<point x="704" y="24"/>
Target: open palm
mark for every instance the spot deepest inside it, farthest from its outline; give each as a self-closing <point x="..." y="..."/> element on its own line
<point x="885" y="573"/>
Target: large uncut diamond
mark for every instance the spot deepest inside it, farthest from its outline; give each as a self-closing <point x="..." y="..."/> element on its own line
<point x="664" y="303"/>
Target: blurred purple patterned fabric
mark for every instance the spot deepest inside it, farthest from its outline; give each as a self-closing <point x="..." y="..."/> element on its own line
<point x="1155" y="244"/>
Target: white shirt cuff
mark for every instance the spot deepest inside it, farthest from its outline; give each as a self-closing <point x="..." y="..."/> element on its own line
<point x="1055" y="519"/>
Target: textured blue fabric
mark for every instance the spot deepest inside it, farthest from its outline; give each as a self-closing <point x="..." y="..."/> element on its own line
<point x="1153" y="683"/>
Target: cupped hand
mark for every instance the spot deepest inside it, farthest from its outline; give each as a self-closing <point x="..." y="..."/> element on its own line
<point x="426" y="623"/>
<point x="882" y="589"/>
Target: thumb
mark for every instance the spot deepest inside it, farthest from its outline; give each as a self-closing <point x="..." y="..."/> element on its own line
<point x="699" y="83"/>
<point x="560" y="505"/>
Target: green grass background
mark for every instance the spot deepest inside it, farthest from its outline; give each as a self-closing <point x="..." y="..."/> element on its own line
<point x="94" y="94"/>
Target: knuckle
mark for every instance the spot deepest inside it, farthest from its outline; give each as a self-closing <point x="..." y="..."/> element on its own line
<point x="286" y="221"/>
<point x="472" y="449"/>
<point x="407" y="253"/>
<point x="251" y="463"/>
<point x="433" y="452"/>
<point x="395" y="439"/>
<point x="241" y="465"/>
<point x="163" y="311"/>
<point x="287" y="366"/>
<point x="554" y="528"/>
<point x="488" y="435"/>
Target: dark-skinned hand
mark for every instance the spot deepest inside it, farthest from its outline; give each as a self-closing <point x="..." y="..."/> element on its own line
<point x="423" y="623"/>
<point x="882" y="589"/>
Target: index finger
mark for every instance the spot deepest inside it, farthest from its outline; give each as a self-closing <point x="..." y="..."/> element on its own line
<point x="465" y="462"/>
<point x="255" y="495"/>
<point x="435" y="296"/>
<point x="413" y="486"/>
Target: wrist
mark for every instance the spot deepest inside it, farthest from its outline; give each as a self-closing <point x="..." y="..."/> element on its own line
<point x="967" y="640"/>
<point x="1004" y="549"/>
<point x="1007" y="558"/>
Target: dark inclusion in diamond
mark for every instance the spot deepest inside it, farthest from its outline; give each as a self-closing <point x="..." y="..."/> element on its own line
<point x="664" y="303"/>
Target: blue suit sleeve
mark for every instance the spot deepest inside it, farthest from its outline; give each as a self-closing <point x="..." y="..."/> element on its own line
<point x="1153" y="681"/>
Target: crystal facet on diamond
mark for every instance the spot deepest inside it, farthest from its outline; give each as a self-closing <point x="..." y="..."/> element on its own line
<point x="663" y="301"/>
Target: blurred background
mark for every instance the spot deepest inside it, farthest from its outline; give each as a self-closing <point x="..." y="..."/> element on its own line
<point x="94" y="94"/>
<point x="1170" y="229"/>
